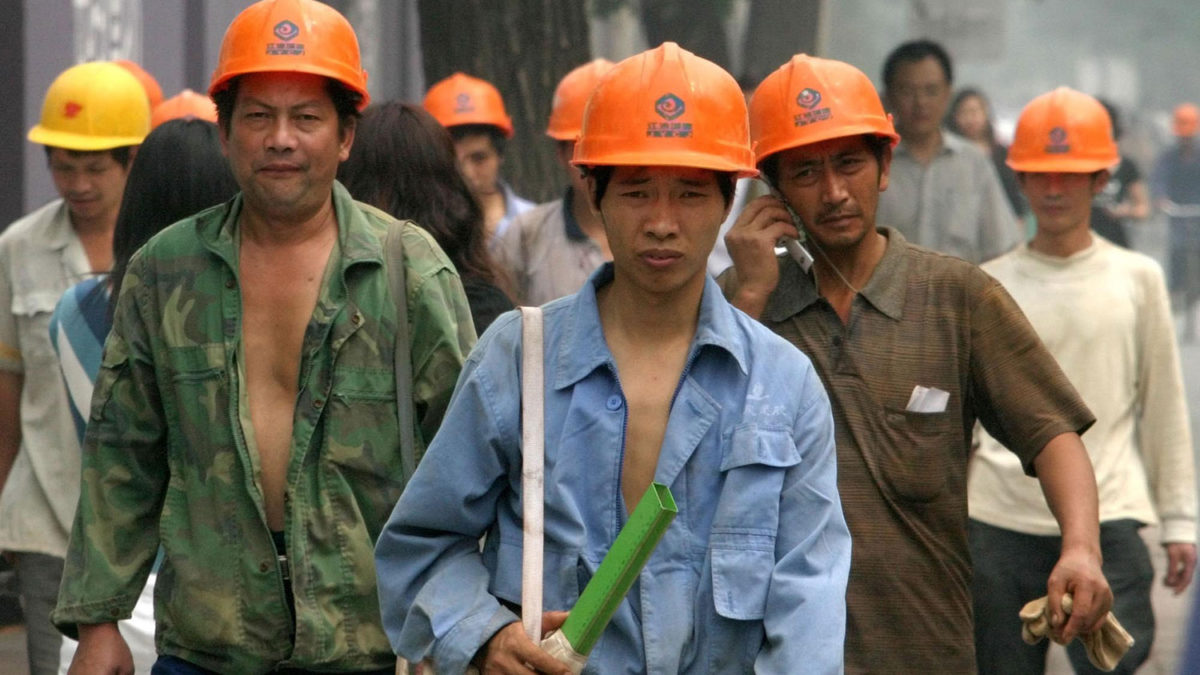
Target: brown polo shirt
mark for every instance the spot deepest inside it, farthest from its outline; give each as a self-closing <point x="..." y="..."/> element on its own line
<point x="931" y="320"/>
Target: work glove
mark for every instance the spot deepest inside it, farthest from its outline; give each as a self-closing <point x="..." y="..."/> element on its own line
<point x="1105" y="646"/>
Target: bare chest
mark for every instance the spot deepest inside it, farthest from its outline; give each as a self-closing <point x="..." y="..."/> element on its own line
<point x="649" y="384"/>
<point x="277" y="304"/>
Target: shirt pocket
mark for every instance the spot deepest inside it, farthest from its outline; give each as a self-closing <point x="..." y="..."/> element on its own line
<point x="32" y="310"/>
<point x="742" y="541"/>
<point x="914" y="455"/>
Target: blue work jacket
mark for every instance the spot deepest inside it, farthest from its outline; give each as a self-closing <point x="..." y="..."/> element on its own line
<point x="750" y="576"/>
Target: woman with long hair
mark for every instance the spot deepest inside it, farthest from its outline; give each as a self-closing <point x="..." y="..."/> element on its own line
<point x="403" y="162"/>
<point x="178" y="170"/>
<point x="970" y="116"/>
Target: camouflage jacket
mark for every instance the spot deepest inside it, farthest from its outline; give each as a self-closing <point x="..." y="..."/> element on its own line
<point x="166" y="460"/>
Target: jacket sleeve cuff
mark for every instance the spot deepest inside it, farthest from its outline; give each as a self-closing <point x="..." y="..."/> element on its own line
<point x="68" y="618"/>
<point x="453" y="653"/>
<point x="1179" y="531"/>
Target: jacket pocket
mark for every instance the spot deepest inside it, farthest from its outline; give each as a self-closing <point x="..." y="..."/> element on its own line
<point x="746" y="523"/>
<point x="201" y="393"/>
<point x="564" y="573"/>
<point x="742" y="577"/>
<point x="360" y="422"/>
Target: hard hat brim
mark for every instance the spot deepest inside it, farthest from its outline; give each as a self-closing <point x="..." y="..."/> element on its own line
<point x="692" y="160"/>
<point x="1062" y="165"/>
<point x="69" y="141"/>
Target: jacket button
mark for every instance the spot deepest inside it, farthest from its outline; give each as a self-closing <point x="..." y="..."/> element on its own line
<point x="318" y="403"/>
<point x="229" y="283"/>
<point x="263" y="567"/>
<point x="613" y="402"/>
<point x="356" y="319"/>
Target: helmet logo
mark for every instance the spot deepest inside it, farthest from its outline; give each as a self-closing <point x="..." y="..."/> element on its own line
<point x="71" y="109"/>
<point x="463" y="104"/>
<point x="1058" y="144"/>
<point x="808" y="98"/>
<point x="669" y="106"/>
<point x="286" y="31"/>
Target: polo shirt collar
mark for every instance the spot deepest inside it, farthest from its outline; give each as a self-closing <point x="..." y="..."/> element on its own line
<point x="885" y="290"/>
<point x="952" y="144"/>
<point x="570" y="224"/>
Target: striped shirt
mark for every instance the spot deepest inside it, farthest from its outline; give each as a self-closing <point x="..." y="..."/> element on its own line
<point x="932" y="320"/>
<point x="77" y="331"/>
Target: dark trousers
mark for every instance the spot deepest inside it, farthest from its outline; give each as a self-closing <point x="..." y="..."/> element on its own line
<point x="1011" y="569"/>
<point x="172" y="665"/>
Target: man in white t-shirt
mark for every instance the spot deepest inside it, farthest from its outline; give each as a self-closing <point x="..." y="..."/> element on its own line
<point x="1103" y="313"/>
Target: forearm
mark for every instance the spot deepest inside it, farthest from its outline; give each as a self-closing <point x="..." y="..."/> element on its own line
<point x="1069" y="484"/>
<point x="10" y="422"/>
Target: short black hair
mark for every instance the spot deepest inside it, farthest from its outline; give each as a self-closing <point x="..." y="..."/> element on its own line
<point x="461" y="131"/>
<point x="603" y="176"/>
<point x="122" y="155"/>
<point x="345" y="102"/>
<point x="877" y="145"/>
<point x="913" y="51"/>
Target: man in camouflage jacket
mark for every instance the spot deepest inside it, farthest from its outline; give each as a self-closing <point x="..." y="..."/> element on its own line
<point x="245" y="414"/>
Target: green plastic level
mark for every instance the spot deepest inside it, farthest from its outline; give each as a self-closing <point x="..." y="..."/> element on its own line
<point x="620" y="568"/>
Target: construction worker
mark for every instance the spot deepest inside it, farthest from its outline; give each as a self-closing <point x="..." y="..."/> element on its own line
<point x="551" y="250"/>
<point x="1103" y="312"/>
<point x="93" y="118"/>
<point x="913" y="347"/>
<point x="945" y="193"/>
<point x="1175" y="188"/>
<point x="149" y="84"/>
<point x="187" y="104"/>
<point x="650" y="375"/>
<point x="246" y="413"/>
<point x="473" y="111"/>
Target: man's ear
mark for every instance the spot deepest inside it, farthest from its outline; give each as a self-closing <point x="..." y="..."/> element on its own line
<point x="347" y="139"/>
<point x="885" y="166"/>
<point x="1100" y="180"/>
<point x="590" y="180"/>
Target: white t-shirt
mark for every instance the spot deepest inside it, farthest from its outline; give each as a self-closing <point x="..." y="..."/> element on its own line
<point x="1104" y="315"/>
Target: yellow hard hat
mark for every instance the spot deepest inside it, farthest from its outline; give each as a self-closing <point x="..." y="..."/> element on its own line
<point x="93" y="106"/>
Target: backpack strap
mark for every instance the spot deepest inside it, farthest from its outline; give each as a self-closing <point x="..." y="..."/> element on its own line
<point x="533" y="470"/>
<point x="394" y="262"/>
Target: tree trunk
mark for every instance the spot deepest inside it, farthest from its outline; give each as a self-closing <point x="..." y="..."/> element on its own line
<point x="523" y="47"/>
<point x="777" y="30"/>
<point x="698" y="27"/>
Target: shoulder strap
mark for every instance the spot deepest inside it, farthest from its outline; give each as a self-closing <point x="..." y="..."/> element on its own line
<point x="394" y="262"/>
<point x="533" y="471"/>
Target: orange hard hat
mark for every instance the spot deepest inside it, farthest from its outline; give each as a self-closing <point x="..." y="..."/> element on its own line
<point x="153" y="91"/>
<point x="808" y="100"/>
<point x="1063" y="131"/>
<point x="297" y="36"/>
<point x="667" y="107"/>
<point x="570" y="98"/>
<point x="1186" y="119"/>
<point x="186" y="103"/>
<point x="461" y="99"/>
